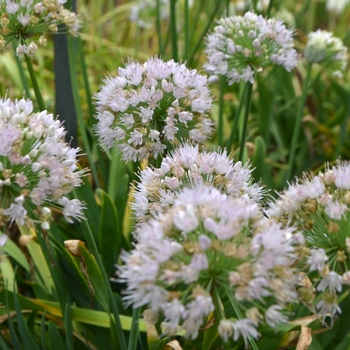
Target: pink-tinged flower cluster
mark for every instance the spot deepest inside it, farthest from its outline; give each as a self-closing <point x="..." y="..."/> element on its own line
<point x="206" y="243"/>
<point x="318" y="206"/>
<point x="240" y="46"/>
<point x="187" y="166"/>
<point x="29" y="21"/>
<point x="38" y="169"/>
<point x="147" y="106"/>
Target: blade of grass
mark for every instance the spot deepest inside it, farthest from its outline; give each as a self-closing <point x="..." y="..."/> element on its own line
<point x="28" y="341"/>
<point x="39" y="97"/>
<point x="81" y="123"/>
<point x="93" y="247"/>
<point x="199" y="42"/>
<point x="134" y="331"/>
<point x="298" y="123"/>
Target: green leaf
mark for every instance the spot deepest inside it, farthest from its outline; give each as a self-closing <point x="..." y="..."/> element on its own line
<point x="39" y="261"/>
<point x="109" y="235"/>
<point x="88" y="266"/>
<point x="3" y="344"/>
<point x="8" y="275"/>
<point x="26" y="336"/>
<point x="55" y="337"/>
<point x="13" y="250"/>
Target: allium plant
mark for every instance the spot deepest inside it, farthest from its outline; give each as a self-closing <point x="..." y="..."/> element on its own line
<point x="143" y="12"/>
<point x="38" y="169"/>
<point x="319" y="207"/>
<point x="336" y="6"/>
<point x="329" y="51"/>
<point x="151" y="105"/>
<point x="28" y="22"/>
<point x="209" y="248"/>
<point x="186" y="166"/>
<point x="240" y="46"/>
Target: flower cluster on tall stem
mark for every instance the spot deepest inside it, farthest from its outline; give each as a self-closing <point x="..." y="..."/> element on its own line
<point x="318" y="206"/>
<point x="240" y="46"/>
<point x="28" y="22"/>
<point x="38" y="169"/>
<point x="149" y="106"/>
<point x="187" y="166"/>
<point x="208" y="244"/>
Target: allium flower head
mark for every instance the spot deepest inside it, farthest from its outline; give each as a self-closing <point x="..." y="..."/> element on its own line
<point x="144" y="12"/>
<point x="149" y="105"/>
<point x="318" y="206"/>
<point x="186" y="166"/>
<point x="38" y="169"/>
<point x="241" y="46"/>
<point x="206" y="241"/>
<point x="30" y="20"/>
<point x="243" y="5"/>
<point x="322" y="47"/>
<point x="337" y="6"/>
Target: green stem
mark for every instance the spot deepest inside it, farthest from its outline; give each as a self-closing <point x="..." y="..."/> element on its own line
<point x="245" y="121"/>
<point x="134" y="331"/>
<point x="221" y="111"/>
<point x="159" y="28"/>
<point x="81" y="123"/>
<point x="85" y="77"/>
<point x="94" y="250"/>
<point x="298" y="123"/>
<point x="187" y="30"/>
<point x="21" y="72"/>
<point x="39" y="97"/>
<point x="219" y="312"/>
<point x="239" y="315"/>
<point x="173" y="29"/>
<point x="269" y="8"/>
<point x="235" y="122"/>
<point x="199" y="42"/>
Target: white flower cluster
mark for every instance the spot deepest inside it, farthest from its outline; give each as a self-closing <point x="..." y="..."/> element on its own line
<point x="240" y="46"/>
<point x="144" y="12"/>
<point x="243" y="5"/>
<point x="28" y="19"/>
<point x="187" y="166"/>
<point x="38" y="169"/>
<point x="322" y="47"/>
<point x="149" y="105"/>
<point x="337" y="6"/>
<point x="209" y="241"/>
<point x="319" y="207"/>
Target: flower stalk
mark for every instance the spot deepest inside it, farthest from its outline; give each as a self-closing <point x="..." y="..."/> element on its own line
<point x="298" y="123"/>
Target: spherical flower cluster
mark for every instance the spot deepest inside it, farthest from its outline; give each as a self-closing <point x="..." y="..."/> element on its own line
<point x="144" y="12"/>
<point x="210" y="244"/>
<point x="241" y="46"/>
<point x="38" y="169"/>
<point x="318" y="206"/>
<point x="322" y="47"/>
<point x="337" y="6"/>
<point x="149" y="105"/>
<point x="27" y="20"/>
<point x="243" y="5"/>
<point x="186" y="166"/>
